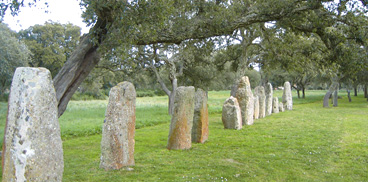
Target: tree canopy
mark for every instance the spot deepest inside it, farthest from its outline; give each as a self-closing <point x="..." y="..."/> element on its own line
<point x="13" y="54"/>
<point x="51" y="44"/>
<point x="119" y="23"/>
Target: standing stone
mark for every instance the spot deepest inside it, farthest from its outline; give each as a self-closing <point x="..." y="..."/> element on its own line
<point x="281" y="107"/>
<point x="231" y="114"/>
<point x="275" y="105"/>
<point x="287" y="98"/>
<point x="269" y="96"/>
<point x="246" y="100"/>
<point x="32" y="148"/>
<point x="256" y="107"/>
<point x="117" y="144"/>
<point x="200" y="119"/>
<point x="260" y="92"/>
<point x="180" y="135"/>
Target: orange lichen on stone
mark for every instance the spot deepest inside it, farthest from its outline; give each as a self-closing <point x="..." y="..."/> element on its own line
<point x="182" y="120"/>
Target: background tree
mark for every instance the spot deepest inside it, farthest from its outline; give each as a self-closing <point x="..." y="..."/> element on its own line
<point x="51" y="44"/>
<point x="13" y="54"/>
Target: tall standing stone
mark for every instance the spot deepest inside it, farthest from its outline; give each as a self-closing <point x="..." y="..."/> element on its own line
<point x="256" y="107"/>
<point x="200" y="119"/>
<point x="269" y="96"/>
<point x="281" y="107"/>
<point x="32" y="149"/>
<point x="246" y="101"/>
<point x="287" y="98"/>
<point x="260" y="92"/>
<point x="180" y="135"/>
<point x="275" y="105"/>
<point x="231" y="114"/>
<point x="117" y="144"/>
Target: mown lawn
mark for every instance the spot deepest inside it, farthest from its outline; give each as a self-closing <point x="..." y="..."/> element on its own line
<point x="310" y="143"/>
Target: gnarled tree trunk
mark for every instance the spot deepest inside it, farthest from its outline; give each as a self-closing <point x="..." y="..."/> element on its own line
<point x="335" y="97"/>
<point x="332" y="88"/>
<point x="74" y="71"/>
<point x="83" y="59"/>
<point x="349" y="97"/>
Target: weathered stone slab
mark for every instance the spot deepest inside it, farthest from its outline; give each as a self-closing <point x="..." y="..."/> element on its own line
<point x="287" y="98"/>
<point x="269" y="96"/>
<point x="260" y="92"/>
<point x="200" y="119"/>
<point x="117" y="144"/>
<point x="180" y="135"/>
<point x="256" y="107"/>
<point x="32" y="148"/>
<point x="281" y="107"/>
<point x="231" y="114"/>
<point x="246" y="101"/>
<point x="275" y="105"/>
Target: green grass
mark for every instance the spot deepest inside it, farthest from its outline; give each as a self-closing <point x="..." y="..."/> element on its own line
<point x="310" y="143"/>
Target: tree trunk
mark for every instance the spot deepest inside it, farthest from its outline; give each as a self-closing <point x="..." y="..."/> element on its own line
<point x="172" y="96"/>
<point x="355" y="90"/>
<point x="365" y="91"/>
<point x="332" y="88"/>
<point x="335" y="97"/>
<point x="349" y="97"/>
<point x="81" y="62"/>
<point x="74" y="71"/>
<point x="326" y="99"/>
<point x="298" y="91"/>
<point x="303" y="90"/>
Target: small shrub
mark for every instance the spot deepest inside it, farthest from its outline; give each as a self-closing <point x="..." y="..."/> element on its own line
<point x="160" y="92"/>
<point x="89" y="96"/>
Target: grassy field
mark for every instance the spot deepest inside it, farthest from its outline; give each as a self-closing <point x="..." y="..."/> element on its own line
<point x="310" y="143"/>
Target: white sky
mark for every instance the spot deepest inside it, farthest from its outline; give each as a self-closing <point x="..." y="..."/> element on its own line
<point x="62" y="11"/>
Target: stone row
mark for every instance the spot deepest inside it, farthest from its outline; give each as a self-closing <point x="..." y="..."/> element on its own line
<point x="242" y="108"/>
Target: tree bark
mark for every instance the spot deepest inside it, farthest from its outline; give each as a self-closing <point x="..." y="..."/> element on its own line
<point x="298" y="91"/>
<point x="74" y="71"/>
<point x="172" y="96"/>
<point x="332" y="88"/>
<point x="80" y="63"/>
<point x="355" y="91"/>
<point x="349" y="97"/>
<point x="365" y="91"/>
<point x="335" y="97"/>
<point x="303" y="90"/>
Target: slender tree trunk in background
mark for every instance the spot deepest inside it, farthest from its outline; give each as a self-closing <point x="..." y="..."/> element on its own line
<point x="355" y="91"/>
<point x="349" y="97"/>
<point x="303" y="91"/>
<point x="365" y="91"/>
<point x="298" y="91"/>
<point x="172" y="96"/>
<point x="335" y="97"/>
<point x="331" y="89"/>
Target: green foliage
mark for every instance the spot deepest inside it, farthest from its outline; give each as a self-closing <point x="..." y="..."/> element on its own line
<point x="51" y="44"/>
<point x="89" y="96"/>
<point x="13" y="54"/>
<point x="145" y="93"/>
<point x="4" y="97"/>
